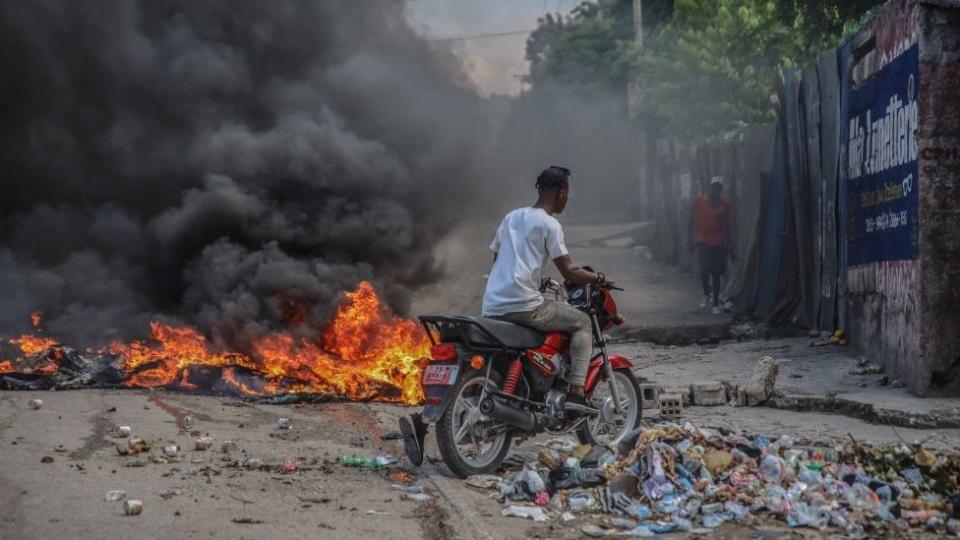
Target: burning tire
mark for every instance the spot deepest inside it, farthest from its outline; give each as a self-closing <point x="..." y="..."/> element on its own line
<point x="466" y="450"/>
<point x="609" y="430"/>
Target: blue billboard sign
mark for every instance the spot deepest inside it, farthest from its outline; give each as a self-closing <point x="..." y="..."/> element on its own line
<point x="881" y="164"/>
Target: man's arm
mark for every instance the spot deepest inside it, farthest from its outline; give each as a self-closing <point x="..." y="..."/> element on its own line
<point x="574" y="274"/>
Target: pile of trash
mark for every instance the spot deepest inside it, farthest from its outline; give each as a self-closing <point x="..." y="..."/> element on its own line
<point x="672" y="478"/>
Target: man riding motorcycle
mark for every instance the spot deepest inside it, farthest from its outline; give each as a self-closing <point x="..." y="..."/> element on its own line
<point x="526" y="240"/>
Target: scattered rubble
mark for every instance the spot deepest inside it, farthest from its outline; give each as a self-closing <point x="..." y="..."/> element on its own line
<point x="133" y="446"/>
<point x="202" y="444"/>
<point x="483" y="481"/>
<point x="762" y="381"/>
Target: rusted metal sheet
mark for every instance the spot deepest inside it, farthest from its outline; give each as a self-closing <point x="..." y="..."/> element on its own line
<point x="811" y="132"/>
<point x="770" y="234"/>
<point x="799" y="198"/>
<point x="829" y="78"/>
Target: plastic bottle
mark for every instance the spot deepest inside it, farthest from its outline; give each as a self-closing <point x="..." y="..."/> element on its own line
<point x="772" y="468"/>
<point x="359" y="461"/>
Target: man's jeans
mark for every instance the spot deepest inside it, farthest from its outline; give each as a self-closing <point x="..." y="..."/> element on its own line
<point x="553" y="316"/>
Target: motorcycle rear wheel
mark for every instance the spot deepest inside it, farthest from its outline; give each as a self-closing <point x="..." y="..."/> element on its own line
<point x="489" y="453"/>
<point x="594" y="431"/>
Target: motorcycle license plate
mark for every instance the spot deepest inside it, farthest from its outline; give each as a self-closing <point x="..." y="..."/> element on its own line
<point x="440" y="374"/>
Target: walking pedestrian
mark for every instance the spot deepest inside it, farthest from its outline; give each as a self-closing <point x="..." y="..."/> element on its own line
<point x="710" y="234"/>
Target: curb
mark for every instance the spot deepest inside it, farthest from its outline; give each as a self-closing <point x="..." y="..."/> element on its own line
<point x="864" y="411"/>
<point x="712" y="332"/>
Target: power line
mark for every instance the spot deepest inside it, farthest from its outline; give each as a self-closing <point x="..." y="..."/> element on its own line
<point x="483" y="36"/>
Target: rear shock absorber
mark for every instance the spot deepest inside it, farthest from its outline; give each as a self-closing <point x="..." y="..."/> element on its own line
<point x="513" y="377"/>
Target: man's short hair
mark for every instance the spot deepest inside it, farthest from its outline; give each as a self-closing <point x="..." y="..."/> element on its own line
<point x="553" y="177"/>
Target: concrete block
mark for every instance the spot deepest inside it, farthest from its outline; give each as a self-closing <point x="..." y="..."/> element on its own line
<point x="682" y="391"/>
<point x="671" y="406"/>
<point x="708" y="394"/>
<point x="649" y="392"/>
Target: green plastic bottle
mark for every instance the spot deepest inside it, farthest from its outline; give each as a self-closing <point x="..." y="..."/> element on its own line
<point x="359" y="461"/>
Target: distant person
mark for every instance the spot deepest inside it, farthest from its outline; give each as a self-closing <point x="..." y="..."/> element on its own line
<point x="709" y="234"/>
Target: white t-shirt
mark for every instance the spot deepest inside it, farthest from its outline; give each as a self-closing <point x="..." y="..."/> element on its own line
<point x="526" y="241"/>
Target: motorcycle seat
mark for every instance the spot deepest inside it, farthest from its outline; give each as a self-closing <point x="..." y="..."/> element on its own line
<point x="514" y="336"/>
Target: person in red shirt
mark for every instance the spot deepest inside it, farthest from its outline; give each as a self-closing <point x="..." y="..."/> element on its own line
<point x="709" y="231"/>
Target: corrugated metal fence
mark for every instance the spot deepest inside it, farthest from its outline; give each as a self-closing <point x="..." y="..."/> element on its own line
<point x="782" y="181"/>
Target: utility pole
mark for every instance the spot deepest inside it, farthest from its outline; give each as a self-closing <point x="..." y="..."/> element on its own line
<point x="638" y="22"/>
<point x="633" y="107"/>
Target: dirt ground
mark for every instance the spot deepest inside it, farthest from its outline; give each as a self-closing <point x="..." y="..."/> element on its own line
<point x="206" y="494"/>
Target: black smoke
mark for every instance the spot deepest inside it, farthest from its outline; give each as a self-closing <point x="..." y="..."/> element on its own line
<point x="233" y="165"/>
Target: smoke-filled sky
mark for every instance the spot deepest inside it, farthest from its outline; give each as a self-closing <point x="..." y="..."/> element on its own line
<point x="494" y="63"/>
<point x="229" y="164"/>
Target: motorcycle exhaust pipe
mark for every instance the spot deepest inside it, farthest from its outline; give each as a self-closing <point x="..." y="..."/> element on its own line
<point x="502" y="412"/>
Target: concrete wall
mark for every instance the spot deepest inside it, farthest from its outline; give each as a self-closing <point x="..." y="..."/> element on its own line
<point x="939" y="141"/>
<point x="905" y="314"/>
<point x="883" y="316"/>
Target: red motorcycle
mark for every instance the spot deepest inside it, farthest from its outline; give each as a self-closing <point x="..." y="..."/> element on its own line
<point x="491" y="381"/>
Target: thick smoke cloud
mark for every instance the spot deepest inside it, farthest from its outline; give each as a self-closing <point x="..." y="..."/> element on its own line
<point x="229" y="164"/>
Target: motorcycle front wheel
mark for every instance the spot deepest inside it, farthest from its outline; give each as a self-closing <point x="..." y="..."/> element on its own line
<point x="463" y="451"/>
<point x="609" y="427"/>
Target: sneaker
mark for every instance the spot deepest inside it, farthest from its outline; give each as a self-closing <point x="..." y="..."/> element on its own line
<point x="717" y="310"/>
<point x="414" y="431"/>
<point x="705" y="302"/>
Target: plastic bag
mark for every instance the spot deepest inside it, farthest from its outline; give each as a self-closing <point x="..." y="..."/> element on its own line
<point x="522" y="485"/>
<point x="527" y="512"/>
<point x="803" y="515"/>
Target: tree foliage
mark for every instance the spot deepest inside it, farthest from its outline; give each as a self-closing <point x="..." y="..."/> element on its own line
<point x="706" y="69"/>
<point x="583" y="49"/>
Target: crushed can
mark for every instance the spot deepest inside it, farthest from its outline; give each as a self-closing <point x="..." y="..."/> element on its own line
<point x="132" y="507"/>
<point x="36" y="403"/>
<point x="283" y="423"/>
<point x="115" y="495"/>
<point x="121" y="431"/>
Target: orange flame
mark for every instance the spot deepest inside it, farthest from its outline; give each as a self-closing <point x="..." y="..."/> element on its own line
<point x="32" y="345"/>
<point x="366" y="353"/>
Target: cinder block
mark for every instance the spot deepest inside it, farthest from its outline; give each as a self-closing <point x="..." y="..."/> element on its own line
<point x="682" y="391"/>
<point x="671" y="405"/>
<point x="649" y="392"/>
<point x="708" y="394"/>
